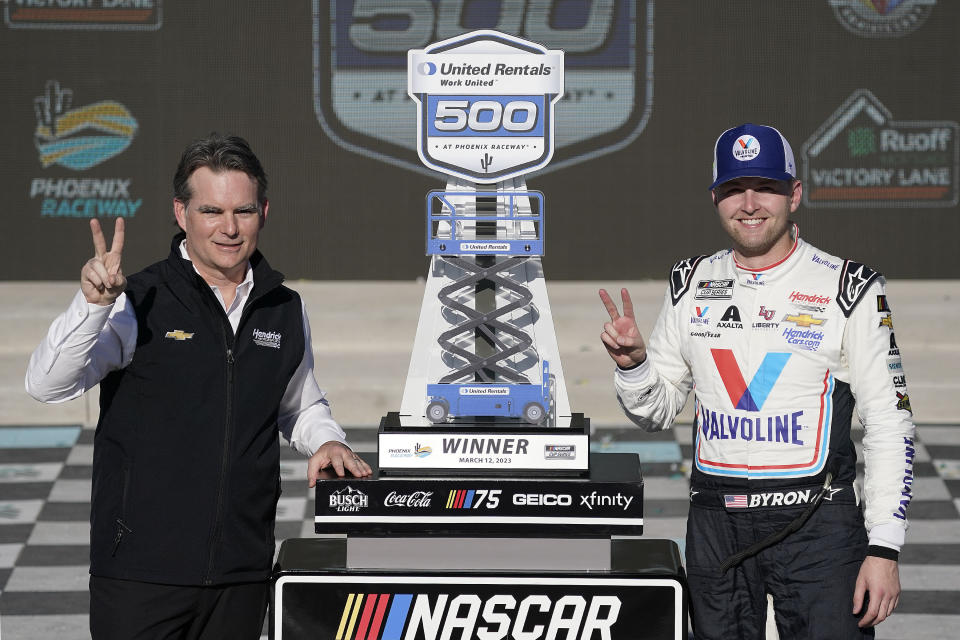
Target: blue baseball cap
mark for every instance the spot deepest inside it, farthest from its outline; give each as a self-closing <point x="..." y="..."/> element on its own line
<point x="752" y="150"/>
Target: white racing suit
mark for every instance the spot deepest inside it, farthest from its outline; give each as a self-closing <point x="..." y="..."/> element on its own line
<point x="777" y="359"/>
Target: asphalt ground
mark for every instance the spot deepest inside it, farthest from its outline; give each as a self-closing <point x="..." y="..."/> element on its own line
<point x="362" y="336"/>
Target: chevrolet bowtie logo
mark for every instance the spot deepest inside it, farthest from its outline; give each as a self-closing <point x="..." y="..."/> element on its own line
<point x="804" y="320"/>
<point x="178" y="334"/>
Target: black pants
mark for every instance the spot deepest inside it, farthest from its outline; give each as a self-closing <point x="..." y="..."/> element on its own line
<point x="811" y="574"/>
<point x="126" y="609"/>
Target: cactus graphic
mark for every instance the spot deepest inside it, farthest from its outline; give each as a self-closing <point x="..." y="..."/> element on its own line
<point x="486" y="162"/>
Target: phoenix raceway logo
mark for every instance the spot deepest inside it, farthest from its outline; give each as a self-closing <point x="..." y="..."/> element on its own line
<point x="360" y="69"/>
<point x="78" y="139"/>
<point x="83" y="137"/>
<point x="861" y="157"/>
<point x="753" y="396"/>
<point x="95" y="15"/>
<point x="882" y="18"/>
<point x="392" y="616"/>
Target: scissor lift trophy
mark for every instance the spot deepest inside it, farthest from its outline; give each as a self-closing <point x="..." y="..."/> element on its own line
<point x="484" y="516"/>
<point x="485" y="392"/>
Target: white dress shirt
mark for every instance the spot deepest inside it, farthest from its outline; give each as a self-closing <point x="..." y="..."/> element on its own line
<point x="88" y="341"/>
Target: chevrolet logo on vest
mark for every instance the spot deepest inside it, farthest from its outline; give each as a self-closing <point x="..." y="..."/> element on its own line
<point x="178" y="334"/>
<point x="804" y="320"/>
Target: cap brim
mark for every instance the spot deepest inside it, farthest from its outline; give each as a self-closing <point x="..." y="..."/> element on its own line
<point x="751" y="172"/>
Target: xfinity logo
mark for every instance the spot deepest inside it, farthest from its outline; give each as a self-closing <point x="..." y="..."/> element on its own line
<point x="595" y="499"/>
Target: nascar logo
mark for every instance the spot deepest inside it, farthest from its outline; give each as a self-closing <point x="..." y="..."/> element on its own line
<point x="386" y="616"/>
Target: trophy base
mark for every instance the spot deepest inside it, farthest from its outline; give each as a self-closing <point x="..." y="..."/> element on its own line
<point x="484" y="448"/>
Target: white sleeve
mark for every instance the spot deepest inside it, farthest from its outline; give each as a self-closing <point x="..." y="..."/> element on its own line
<point x="653" y="393"/>
<point x="304" y="417"/>
<point x="883" y="407"/>
<point x="83" y="345"/>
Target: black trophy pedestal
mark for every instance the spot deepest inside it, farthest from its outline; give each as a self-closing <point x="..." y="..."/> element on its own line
<point x="321" y="590"/>
<point x="607" y="502"/>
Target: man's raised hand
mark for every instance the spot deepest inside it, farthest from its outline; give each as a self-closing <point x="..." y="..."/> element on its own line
<point x="101" y="278"/>
<point x="620" y="335"/>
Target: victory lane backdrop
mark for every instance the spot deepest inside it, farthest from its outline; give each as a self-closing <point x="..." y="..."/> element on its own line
<point x="99" y="106"/>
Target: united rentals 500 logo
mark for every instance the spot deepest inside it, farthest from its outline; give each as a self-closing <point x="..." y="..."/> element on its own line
<point x="360" y="69"/>
<point x="861" y="157"/>
<point x="78" y="139"/>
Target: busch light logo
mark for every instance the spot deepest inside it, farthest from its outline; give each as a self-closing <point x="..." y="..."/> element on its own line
<point x="361" y="79"/>
<point x="348" y="500"/>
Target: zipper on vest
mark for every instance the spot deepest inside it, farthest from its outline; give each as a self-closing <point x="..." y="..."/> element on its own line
<point x="121" y="527"/>
<point x="224" y="463"/>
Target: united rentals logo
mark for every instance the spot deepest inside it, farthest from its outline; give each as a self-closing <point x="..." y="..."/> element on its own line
<point x="360" y="70"/>
<point x="78" y="139"/>
<point x="882" y="18"/>
<point x="392" y="616"/>
<point x="101" y="15"/>
<point x="178" y="334"/>
<point x="753" y="396"/>
<point x="861" y="157"/>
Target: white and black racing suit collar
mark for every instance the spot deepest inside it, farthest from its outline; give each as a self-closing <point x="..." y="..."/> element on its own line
<point x="778" y="268"/>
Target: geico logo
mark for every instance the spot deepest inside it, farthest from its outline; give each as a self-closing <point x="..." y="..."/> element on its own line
<point x="498" y="617"/>
<point x="429" y="22"/>
<point x="546" y="499"/>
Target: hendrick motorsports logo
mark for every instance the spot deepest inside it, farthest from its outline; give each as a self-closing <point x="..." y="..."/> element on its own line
<point x="882" y="18"/>
<point x="78" y="139"/>
<point x="106" y="15"/>
<point x="861" y="157"/>
<point x="360" y="73"/>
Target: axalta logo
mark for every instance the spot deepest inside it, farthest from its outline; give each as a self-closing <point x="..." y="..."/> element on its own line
<point x="862" y="157"/>
<point x="360" y="69"/>
<point x="746" y="148"/>
<point x="753" y="396"/>
<point x="882" y="18"/>
<point x="392" y="616"/>
<point x="348" y="500"/>
<point x="101" y="15"/>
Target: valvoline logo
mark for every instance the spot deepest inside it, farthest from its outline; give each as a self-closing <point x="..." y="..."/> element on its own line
<point x="753" y="396"/>
<point x="82" y="137"/>
<point x="392" y="616"/>
<point x="746" y="148"/>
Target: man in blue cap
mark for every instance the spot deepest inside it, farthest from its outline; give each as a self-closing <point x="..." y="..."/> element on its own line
<point x="779" y="341"/>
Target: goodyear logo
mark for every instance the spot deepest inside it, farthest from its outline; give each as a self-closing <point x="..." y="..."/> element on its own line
<point x="360" y="69"/>
<point x="392" y="616"/>
<point x="178" y="334"/>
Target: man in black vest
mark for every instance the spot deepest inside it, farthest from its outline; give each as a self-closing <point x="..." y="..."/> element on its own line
<point x="202" y="359"/>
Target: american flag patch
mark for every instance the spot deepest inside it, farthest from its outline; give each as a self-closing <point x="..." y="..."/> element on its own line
<point x="735" y="502"/>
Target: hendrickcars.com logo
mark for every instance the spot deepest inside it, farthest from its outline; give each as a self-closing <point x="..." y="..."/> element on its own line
<point x="392" y="616"/>
<point x="360" y="69"/>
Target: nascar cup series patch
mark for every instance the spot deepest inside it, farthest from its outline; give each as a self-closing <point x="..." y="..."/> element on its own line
<point x="485" y="104"/>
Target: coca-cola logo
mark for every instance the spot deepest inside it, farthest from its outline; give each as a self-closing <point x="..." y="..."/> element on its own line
<point x="415" y="499"/>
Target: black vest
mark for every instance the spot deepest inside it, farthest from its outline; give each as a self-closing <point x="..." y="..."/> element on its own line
<point x="186" y="471"/>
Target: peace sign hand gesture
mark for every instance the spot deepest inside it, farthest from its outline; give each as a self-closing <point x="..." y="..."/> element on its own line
<point x="101" y="279"/>
<point x="621" y="336"/>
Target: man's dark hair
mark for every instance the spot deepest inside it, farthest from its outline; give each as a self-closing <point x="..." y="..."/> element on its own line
<point x="218" y="153"/>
